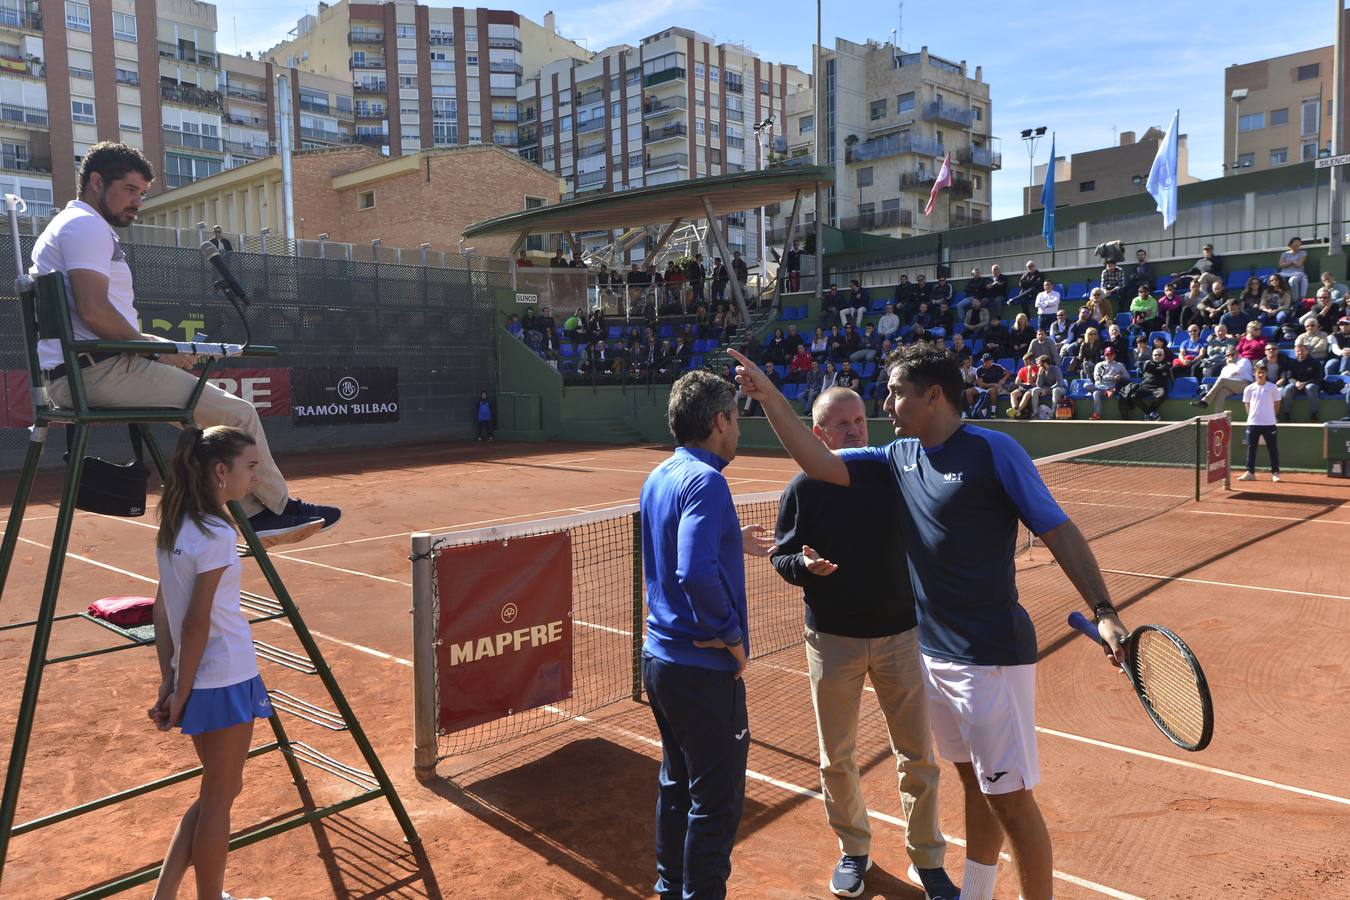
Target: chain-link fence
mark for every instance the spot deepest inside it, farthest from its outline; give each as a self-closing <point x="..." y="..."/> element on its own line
<point x="436" y="325"/>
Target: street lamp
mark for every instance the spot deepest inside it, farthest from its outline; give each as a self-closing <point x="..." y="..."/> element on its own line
<point x="1238" y="95"/>
<point x="1031" y="137"/>
<point x="762" y="131"/>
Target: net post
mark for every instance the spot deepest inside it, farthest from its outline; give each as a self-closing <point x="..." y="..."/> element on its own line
<point x="1201" y="452"/>
<point x="424" y="657"/>
<point x="635" y="627"/>
<point x="1228" y="463"/>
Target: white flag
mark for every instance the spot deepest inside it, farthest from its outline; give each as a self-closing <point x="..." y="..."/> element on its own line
<point x="1162" y="177"/>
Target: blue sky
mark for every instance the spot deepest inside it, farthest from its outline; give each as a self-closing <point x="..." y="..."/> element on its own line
<point x="1069" y="66"/>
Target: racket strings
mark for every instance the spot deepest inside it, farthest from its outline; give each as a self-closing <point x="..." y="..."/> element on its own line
<point x="1170" y="685"/>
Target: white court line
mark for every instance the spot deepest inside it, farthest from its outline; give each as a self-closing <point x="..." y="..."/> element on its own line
<point x="1214" y="512"/>
<point x="310" y="562"/>
<point x="602" y="628"/>
<point x="1225" y="584"/>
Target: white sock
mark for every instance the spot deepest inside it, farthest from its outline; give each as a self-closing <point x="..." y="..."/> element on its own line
<point x="977" y="880"/>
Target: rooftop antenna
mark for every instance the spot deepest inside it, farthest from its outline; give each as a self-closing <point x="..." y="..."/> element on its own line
<point x="235" y="20"/>
<point x="899" y="25"/>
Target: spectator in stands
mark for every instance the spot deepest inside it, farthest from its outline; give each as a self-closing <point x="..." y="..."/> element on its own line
<point x="1235" y="320"/>
<point x="793" y="263"/>
<point x="1218" y="296"/>
<point x="1189" y="350"/>
<point x="830" y="305"/>
<point x="820" y="345"/>
<point x="990" y="379"/>
<point x="920" y="332"/>
<point x="513" y="325"/>
<point x="941" y="291"/>
<point x="903" y="298"/>
<point x="1108" y="377"/>
<point x="1154" y="383"/>
<point x="1275" y="363"/>
<point x="1293" y="269"/>
<point x="852" y="341"/>
<point x="1262" y="400"/>
<point x="974" y="290"/>
<point x="1315" y="339"/>
<point x="598" y="361"/>
<point x="221" y="241"/>
<point x="1022" y="336"/>
<point x="924" y="316"/>
<point x="1277" y="304"/>
<point x="868" y="345"/>
<point x="1338" y="346"/>
<point x="1140" y="274"/>
<point x="969" y="393"/>
<point x="836" y="338"/>
<point x="813" y="384"/>
<point x="547" y="346"/>
<point x="1201" y="302"/>
<point x="698" y="275"/>
<point x="800" y="364"/>
<point x="776" y="351"/>
<point x="485" y="415"/>
<point x="1208" y="269"/>
<point x="888" y="326"/>
<point x="1251" y="345"/>
<point x="1217" y="347"/>
<point x="719" y="279"/>
<point x="1337" y="289"/>
<point x="1086" y="353"/>
<point x="855" y="304"/>
<point x="942" y="316"/>
<point x="1047" y="302"/>
<point x="1084" y="322"/>
<point x="1172" y="310"/>
<point x="923" y="291"/>
<point x="1113" y="283"/>
<point x="740" y="270"/>
<point x="523" y="261"/>
<point x="1137" y="355"/>
<point x="1042" y="345"/>
<point x="684" y="353"/>
<point x="976" y="318"/>
<point x="849" y="377"/>
<point x="882" y="378"/>
<point x="1301" y="375"/>
<point x="998" y="340"/>
<point x="1251" y="296"/>
<point x="959" y="349"/>
<point x="1325" y="310"/>
<point x="1029" y="288"/>
<point x="1160" y="341"/>
<point x="1098" y="307"/>
<point x="1061" y="328"/>
<point x="1233" y="379"/>
<point x="996" y="290"/>
<point x="558" y="261"/>
<point x="1050" y="387"/>
<point x="1024" y="382"/>
<point x="793" y="339"/>
<point x="1144" y="309"/>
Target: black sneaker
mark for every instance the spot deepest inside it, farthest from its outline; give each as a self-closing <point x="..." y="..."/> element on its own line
<point x="329" y="514"/>
<point x="847" y="880"/>
<point x="936" y="884"/>
<point x="273" y="529"/>
<point x="1199" y="403"/>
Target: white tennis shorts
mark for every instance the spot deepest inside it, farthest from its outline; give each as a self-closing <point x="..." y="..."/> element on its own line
<point x="985" y="715"/>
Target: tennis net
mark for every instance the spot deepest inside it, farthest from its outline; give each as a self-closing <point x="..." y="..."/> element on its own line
<point x="1105" y="488"/>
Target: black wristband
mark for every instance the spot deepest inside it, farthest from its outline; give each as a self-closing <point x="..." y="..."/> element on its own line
<point x="1102" y="609"/>
<point x="735" y="643"/>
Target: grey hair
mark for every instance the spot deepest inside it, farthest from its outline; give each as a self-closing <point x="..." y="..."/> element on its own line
<point x="821" y="408"/>
<point x="695" y="400"/>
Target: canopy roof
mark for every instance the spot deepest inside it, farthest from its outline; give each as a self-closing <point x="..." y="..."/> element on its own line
<point x="660" y="205"/>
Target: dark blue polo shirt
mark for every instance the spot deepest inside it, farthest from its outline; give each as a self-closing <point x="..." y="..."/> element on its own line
<point x="962" y="501"/>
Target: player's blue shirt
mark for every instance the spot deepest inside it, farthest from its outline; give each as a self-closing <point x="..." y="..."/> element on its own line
<point x="962" y="501"/>
<point x="691" y="561"/>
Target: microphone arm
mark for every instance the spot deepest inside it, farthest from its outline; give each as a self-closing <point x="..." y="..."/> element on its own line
<point x="226" y="283"/>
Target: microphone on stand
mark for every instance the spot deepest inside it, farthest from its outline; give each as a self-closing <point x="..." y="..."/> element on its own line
<point x="227" y="279"/>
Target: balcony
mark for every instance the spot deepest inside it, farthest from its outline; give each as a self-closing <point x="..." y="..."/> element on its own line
<point x="372" y="140"/>
<point x="364" y="63"/>
<point x="942" y="111"/>
<point x="653" y="108"/>
<point x="960" y="218"/>
<point x="505" y="115"/>
<point x="662" y="77"/>
<point x="922" y="182"/>
<point x="12" y="114"/>
<point x="873" y="221"/>
<point x="502" y="43"/>
<point x="314" y="106"/>
<point x="191" y="95"/>
<point x="11" y="162"/>
<point x="982" y="157"/>
<point x="324" y="134"/>
<point x="668" y="161"/>
<point x="505" y="140"/>
<point x="502" y="90"/>
<point x="529" y="114"/>
<point x="371" y="111"/>
<point x="734" y="85"/>
<point x="24" y="67"/>
<point x="235" y="118"/>
<point x="591" y="181"/>
<point x="673" y="131"/>
<point x="506" y="68"/>
<point x="189" y="141"/>
<point x="365" y="37"/>
<point x="187" y="52"/>
<point x="596" y="124"/>
<point x="893" y="145"/>
<point x="20" y="21"/>
<point x="590" y="97"/>
<point x="370" y="87"/>
<point x="527" y="137"/>
<point x="131" y="79"/>
<point x="238" y="92"/>
<point x="248" y="150"/>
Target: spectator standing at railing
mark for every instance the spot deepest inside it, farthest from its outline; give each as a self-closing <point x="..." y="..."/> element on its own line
<point x="1301" y="375"/>
<point x="523" y="260"/>
<point x="889" y="323"/>
<point x="719" y="279"/>
<point x="855" y="303"/>
<point x="793" y="262"/>
<point x="1315" y="339"/>
<point x="1293" y="268"/>
<point x="739" y="269"/>
<point x="1233" y="379"/>
<point x="1108" y="377"/>
<point x="1047" y="301"/>
<point x="1141" y="273"/>
<point x="558" y="261"/>
<point x="1029" y="288"/>
<point x="1113" y="282"/>
<point x="697" y="275"/>
<point x="221" y="241"/>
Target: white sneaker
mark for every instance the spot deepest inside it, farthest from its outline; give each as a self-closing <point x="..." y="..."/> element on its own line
<point x="1246" y="476"/>
<point x="1275" y="477"/>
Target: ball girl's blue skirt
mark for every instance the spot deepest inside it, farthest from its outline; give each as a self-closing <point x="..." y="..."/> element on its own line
<point x="211" y="709"/>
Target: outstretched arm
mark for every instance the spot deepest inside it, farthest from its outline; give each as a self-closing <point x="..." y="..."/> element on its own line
<point x="816" y="460"/>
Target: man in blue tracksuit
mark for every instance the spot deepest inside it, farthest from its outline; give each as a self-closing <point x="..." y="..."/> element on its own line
<point x="696" y="644"/>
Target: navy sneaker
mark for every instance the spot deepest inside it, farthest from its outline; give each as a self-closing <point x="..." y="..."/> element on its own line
<point x="936" y="884"/>
<point x="847" y="880"/>
<point x="329" y="514"/>
<point x="273" y="529"/>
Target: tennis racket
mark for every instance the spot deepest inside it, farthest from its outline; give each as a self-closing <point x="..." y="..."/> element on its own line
<point x="1168" y="679"/>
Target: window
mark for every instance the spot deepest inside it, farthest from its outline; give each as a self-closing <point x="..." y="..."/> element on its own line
<point x="977" y="181"/>
<point x="1252" y="122"/>
<point x="635" y="160"/>
<point x="124" y="26"/>
<point x="977" y="112"/>
<point x="365" y="200"/>
<point x="127" y="76"/>
<point x="865" y="177"/>
<point x="1279" y="117"/>
<point x="1085" y="186"/>
<point x="806" y="124"/>
<point x="1313" y="70"/>
<point x="1307" y="151"/>
<point x="1308" y="117"/>
<point x="77" y="16"/>
<point x="1246" y="161"/>
<point x="1279" y="156"/>
<point x="82" y="112"/>
<point x="877" y="109"/>
<point x="471" y="59"/>
<point x="406" y="31"/>
<point x="904" y="103"/>
<point x="407" y="81"/>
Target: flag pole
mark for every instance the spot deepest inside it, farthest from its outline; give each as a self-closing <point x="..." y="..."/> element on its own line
<point x="1178" y="176"/>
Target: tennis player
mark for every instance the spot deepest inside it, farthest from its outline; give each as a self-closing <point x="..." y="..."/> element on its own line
<point x="697" y="641"/>
<point x="843" y="547"/>
<point x="963" y="490"/>
<point x="210" y="685"/>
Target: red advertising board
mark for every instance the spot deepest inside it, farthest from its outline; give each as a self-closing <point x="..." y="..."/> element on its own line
<point x="1220" y="435"/>
<point x="505" y="631"/>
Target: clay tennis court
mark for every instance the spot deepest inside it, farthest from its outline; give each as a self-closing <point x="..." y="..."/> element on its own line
<point x="1254" y="580"/>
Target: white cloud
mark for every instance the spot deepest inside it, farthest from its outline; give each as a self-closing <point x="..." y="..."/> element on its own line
<point x="622" y="22"/>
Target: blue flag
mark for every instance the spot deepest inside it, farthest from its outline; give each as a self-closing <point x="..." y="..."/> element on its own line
<point x="1162" y="177"/>
<point x="1048" y="200"/>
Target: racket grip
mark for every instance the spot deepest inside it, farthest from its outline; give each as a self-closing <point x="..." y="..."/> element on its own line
<point x="1081" y="623"/>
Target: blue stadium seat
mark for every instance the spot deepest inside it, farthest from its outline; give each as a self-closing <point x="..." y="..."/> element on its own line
<point x="1208" y="382"/>
<point x="938" y="332"/>
<point x="878" y="305"/>
<point x="791" y="391"/>
<point x="1263" y="274"/>
<point x="870" y="390"/>
<point x="1238" y="280"/>
<point x="1093" y="285"/>
<point x="1078" y="290"/>
<point x="696" y="361"/>
<point x="1269" y="331"/>
<point x="1184" y="388"/>
<point x="976" y="346"/>
<point x="1159" y="334"/>
<point x="1079" y="388"/>
<point x="615" y="332"/>
<point x="569" y="366"/>
<point x="1206" y="333"/>
<point x="1161" y="282"/>
<point x="665" y="331"/>
<point x="869" y="370"/>
<point x="1009" y="364"/>
<point x="1123" y="320"/>
<point x="957" y="298"/>
<point x="781" y="372"/>
<point x="958" y="327"/>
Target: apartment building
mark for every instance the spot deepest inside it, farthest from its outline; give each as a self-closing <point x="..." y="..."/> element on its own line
<point x="677" y="106"/>
<point x="1281" y="113"/>
<point x="1106" y="173"/>
<point x="425" y="76"/>
<point x="890" y="118"/>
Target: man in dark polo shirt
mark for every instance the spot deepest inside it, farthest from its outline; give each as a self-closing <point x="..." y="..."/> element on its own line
<point x="860" y="622"/>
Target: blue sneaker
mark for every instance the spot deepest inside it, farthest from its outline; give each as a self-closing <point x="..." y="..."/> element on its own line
<point x="329" y="514"/>
<point x="847" y="880"/>
<point x="936" y="884"/>
<point x="273" y="529"/>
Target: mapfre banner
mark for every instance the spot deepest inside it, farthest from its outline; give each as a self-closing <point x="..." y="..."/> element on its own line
<point x="1220" y="433"/>
<point x="505" y="629"/>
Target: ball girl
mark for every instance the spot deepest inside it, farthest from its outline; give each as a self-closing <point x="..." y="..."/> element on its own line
<point x="210" y="685"/>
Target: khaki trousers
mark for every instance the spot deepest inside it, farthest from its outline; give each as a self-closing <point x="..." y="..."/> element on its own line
<point x="137" y="381"/>
<point x="839" y="665"/>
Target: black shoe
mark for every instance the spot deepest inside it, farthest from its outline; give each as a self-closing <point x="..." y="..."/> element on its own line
<point x="285" y="528"/>
<point x="1200" y="403"/>
<point x="329" y="514"/>
<point x="936" y="884"/>
<point x="847" y="880"/>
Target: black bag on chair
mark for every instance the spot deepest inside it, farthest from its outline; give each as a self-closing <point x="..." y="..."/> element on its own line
<point x="113" y="489"/>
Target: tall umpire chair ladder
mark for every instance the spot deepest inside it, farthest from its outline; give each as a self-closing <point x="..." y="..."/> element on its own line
<point x="46" y="315"/>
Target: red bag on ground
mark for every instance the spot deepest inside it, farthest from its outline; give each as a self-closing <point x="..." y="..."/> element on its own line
<point x="125" y="612"/>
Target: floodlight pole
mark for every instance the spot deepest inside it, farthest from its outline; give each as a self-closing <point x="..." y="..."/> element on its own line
<point x="817" y="125"/>
<point x="1337" y="125"/>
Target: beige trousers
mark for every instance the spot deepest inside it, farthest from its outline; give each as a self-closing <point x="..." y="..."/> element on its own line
<point x="137" y="381"/>
<point x="839" y="666"/>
